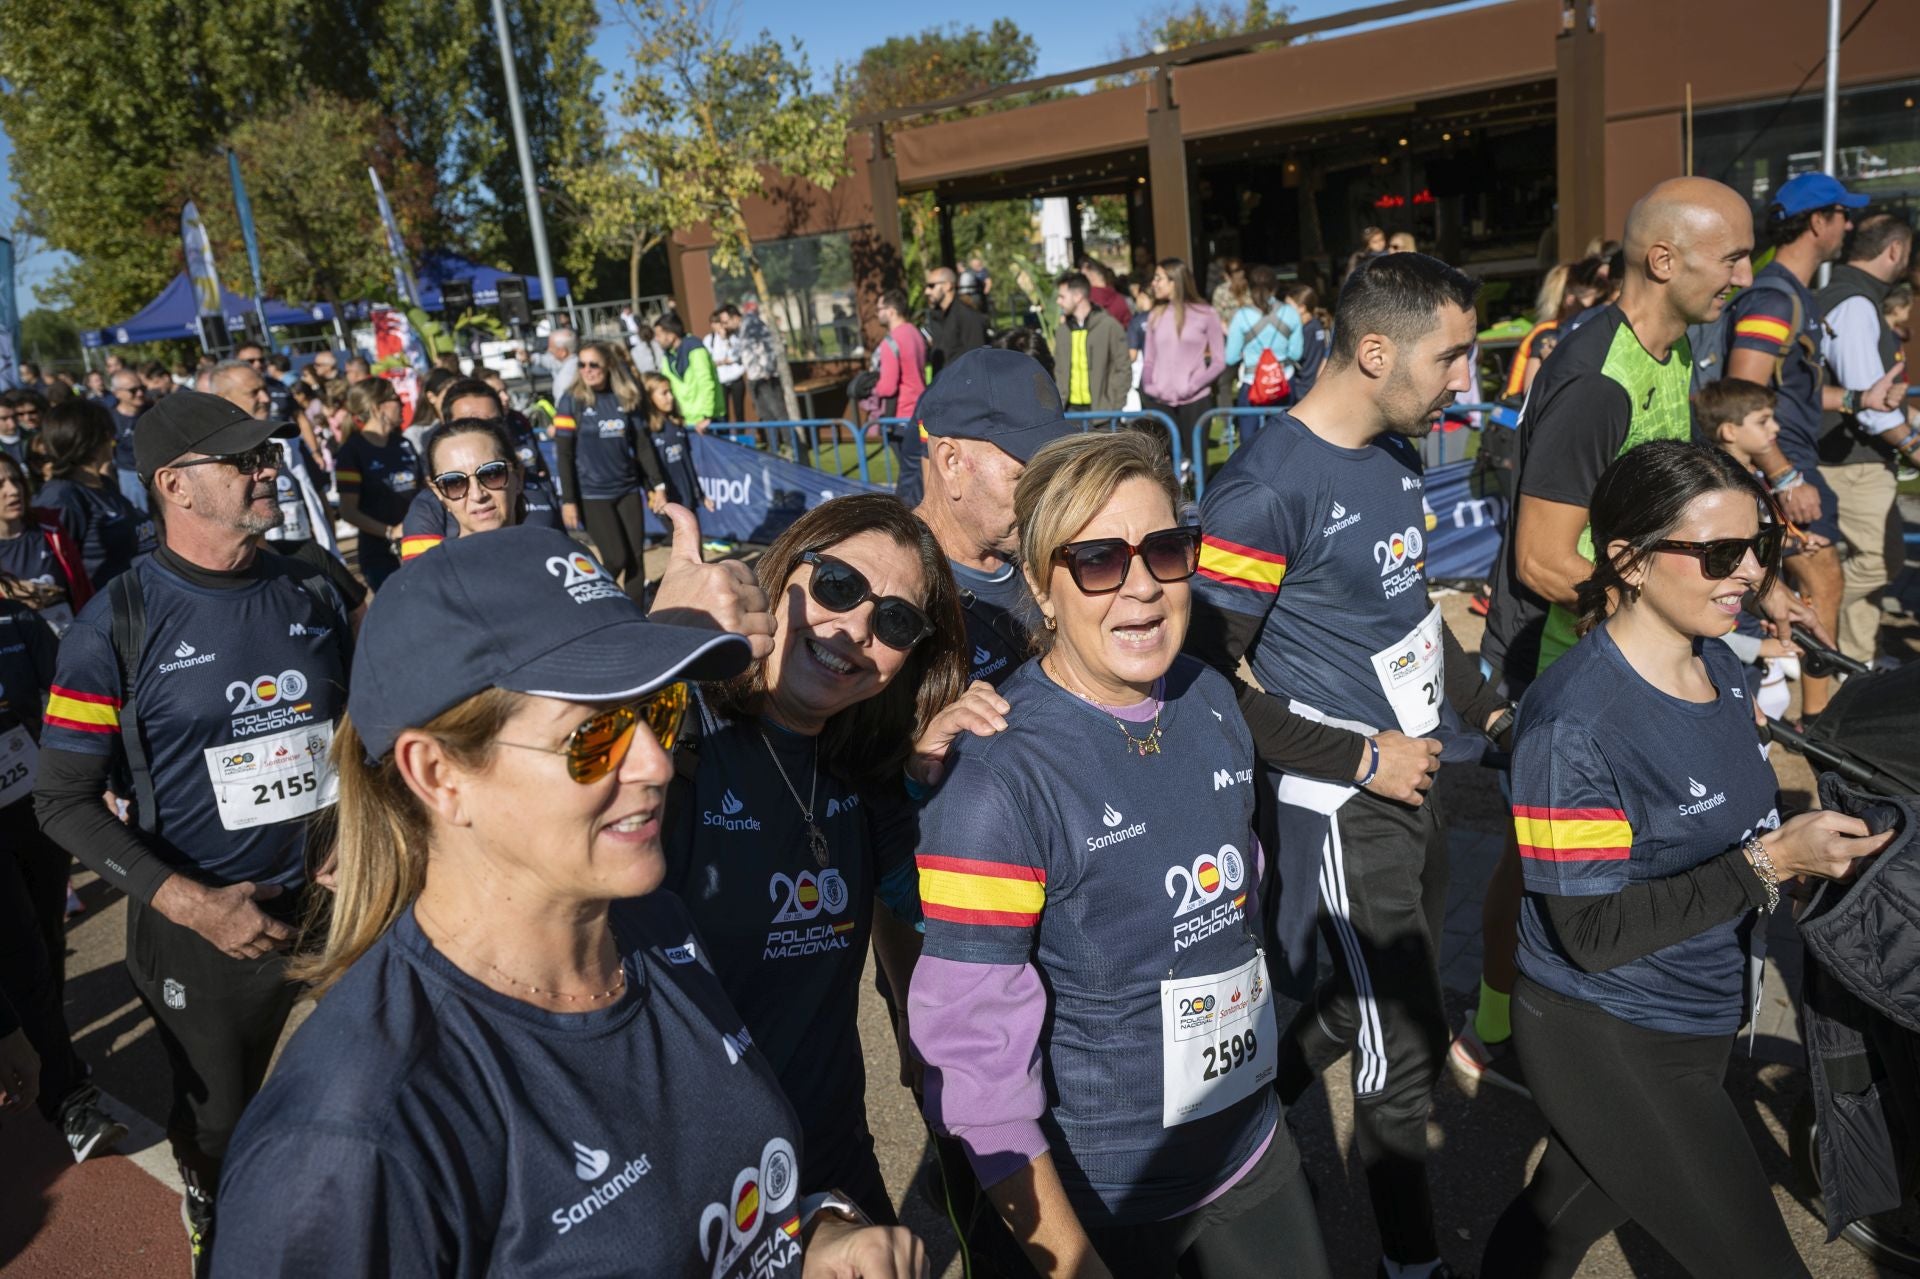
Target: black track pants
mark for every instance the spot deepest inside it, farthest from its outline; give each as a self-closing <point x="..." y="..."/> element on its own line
<point x="1383" y="896"/>
<point x="618" y="527"/>
<point x="1643" y="1130"/>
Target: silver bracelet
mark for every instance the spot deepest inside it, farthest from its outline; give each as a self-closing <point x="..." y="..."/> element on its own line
<point x="1763" y="867"/>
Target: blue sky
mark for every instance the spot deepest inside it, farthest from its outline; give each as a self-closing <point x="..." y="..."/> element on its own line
<point x="1070" y="33"/>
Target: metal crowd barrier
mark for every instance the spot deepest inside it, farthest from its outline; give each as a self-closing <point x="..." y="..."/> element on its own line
<point x="1433" y="449"/>
<point x="1112" y="420"/>
<point x="813" y="428"/>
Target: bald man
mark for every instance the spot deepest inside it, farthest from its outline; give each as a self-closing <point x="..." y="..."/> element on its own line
<point x="1616" y="382"/>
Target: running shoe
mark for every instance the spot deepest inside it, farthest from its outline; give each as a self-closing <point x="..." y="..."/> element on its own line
<point x="1482" y="601"/>
<point x="1474" y="1062"/>
<point x="196" y="1214"/>
<point x="89" y="1129"/>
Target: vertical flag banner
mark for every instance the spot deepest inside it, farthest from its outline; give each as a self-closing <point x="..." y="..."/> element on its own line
<point x="244" y="208"/>
<point x="206" y="282"/>
<point x="9" y="321"/>
<point x="399" y="357"/>
<point x="402" y="273"/>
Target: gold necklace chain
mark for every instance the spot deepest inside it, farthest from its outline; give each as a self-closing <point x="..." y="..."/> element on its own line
<point x="1141" y="746"/>
<point x="618" y="987"/>
<point x="816" y="838"/>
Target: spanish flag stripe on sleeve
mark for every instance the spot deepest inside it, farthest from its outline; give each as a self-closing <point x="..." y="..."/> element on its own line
<point x="1766" y="328"/>
<point x="83" y="712"/>
<point x="1572" y="834"/>
<point x="963" y="890"/>
<point x="347" y="480"/>
<point x="563" y="422"/>
<point x="1235" y="565"/>
<point x="418" y="544"/>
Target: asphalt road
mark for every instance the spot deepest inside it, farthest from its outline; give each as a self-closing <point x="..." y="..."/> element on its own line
<point x="118" y="1216"/>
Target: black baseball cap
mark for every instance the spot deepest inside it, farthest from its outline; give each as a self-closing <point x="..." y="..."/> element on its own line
<point x="1004" y="397"/>
<point x="194" y="422"/>
<point x="524" y="609"/>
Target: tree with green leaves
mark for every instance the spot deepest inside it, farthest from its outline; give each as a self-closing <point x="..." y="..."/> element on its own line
<point x="318" y="228"/>
<point x="941" y="62"/>
<point x="714" y="120"/>
<point x="1176" y="26"/>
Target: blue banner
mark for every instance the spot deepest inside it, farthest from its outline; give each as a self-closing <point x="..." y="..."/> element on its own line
<point x="403" y="279"/>
<point x="1463" y="527"/>
<point x="756" y="495"/>
<point x="9" y="321"/>
<point x="242" y="207"/>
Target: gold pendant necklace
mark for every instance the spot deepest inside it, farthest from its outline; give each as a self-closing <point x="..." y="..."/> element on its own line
<point x="1141" y="746"/>
<point x="816" y="838"/>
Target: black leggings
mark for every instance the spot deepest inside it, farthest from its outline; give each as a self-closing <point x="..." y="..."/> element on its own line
<point x="618" y="527"/>
<point x="1264" y="1225"/>
<point x="1183" y="415"/>
<point x="1644" y="1131"/>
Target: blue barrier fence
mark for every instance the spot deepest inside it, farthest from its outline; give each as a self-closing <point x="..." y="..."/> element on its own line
<point x="874" y="463"/>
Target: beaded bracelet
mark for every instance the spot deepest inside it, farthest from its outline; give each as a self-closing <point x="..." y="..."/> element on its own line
<point x="1763" y="867"/>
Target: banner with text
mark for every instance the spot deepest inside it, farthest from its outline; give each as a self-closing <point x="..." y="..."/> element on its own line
<point x="9" y="321"/>
<point x="1463" y="527"/>
<point x="756" y="495"/>
<point x="200" y="270"/>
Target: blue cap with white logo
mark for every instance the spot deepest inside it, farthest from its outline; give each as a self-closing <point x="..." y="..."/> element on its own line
<point x="524" y="609"/>
<point x="1003" y="397"/>
<point x="1812" y="191"/>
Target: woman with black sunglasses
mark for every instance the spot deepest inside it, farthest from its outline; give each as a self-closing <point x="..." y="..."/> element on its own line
<point x="1093" y="1004"/>
<point x="602" y="457"/>
<point x="1650" y="841"/>
<point x="789" y="820"/>
<point x="475" y="484"/>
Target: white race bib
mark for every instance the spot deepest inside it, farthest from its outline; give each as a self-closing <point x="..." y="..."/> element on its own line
<point x="19" y="763"/>
<point x="273" y="779"/>
<point x="1412" y="673"/>
<point x="1218" y="1041"/>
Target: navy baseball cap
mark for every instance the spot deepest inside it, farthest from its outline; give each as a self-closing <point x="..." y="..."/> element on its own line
<point x="524" y="609"/>
<point x="1812" y="191"/>
<point x="1003" y="397"/>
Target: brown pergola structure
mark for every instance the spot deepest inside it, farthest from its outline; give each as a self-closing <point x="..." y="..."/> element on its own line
<point x="1606" y="84"/>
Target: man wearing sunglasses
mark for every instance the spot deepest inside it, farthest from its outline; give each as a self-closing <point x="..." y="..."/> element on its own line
<point x="129" y="401"/>
<point x="1312" y="568"/>
<point x="992" y="411"/>
<point x="211" y="674"/>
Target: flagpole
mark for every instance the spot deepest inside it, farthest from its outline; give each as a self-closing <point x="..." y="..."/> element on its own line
<point x="536" y="223"/>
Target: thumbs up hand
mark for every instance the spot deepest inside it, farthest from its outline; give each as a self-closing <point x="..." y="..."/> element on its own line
<point x="724" y="596"/>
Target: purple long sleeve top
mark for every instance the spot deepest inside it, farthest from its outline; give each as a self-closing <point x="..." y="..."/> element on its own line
<point x="1179" y="368"/>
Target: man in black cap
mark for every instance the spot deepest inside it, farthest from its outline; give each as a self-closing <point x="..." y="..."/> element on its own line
<point x="990" y="412"/>
<point x="211" y="674"/>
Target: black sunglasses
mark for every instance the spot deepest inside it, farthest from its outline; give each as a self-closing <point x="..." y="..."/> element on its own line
<point x="839" y="586"/>
<point x="249" y="464"/>
<point x="493" y="476"/>
<point x="1722" y="557"/>
<point x="1099" y="565"/>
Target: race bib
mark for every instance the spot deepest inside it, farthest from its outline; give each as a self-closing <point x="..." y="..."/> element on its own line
<point x="1218" y="1041"/>
<point x="19" y="762"/>
<point x="273" y="779"/>
<point x="294" y="526"/>
<point x="1411" y="673"/>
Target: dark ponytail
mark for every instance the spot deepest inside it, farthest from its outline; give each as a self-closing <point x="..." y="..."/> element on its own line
<point x="1640" y="500"/>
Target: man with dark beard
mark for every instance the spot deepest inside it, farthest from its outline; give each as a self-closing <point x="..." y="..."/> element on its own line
<point x="233" y="661"/>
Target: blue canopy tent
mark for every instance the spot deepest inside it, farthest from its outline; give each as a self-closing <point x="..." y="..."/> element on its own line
<point x="175" y="314"/>
<point x="438" y="266"/>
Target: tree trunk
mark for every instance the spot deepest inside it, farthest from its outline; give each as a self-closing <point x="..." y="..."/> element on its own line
<point x="791" y="400"/>
<point x="633" y="272"/>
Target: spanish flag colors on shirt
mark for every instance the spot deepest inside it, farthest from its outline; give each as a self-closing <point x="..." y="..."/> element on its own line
<point x="82" y="712"/>
<point x="1232" y="564"/>
<point x="964" y="890"/>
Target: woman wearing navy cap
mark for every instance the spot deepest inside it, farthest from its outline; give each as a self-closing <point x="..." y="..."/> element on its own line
<point x="1093" y="1004"/>
<point x="519" y="1063"/>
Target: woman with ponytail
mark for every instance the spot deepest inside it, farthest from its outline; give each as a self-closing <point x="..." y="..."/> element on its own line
<point x="520" y="1062"/>
<point x="1650" y="841"/>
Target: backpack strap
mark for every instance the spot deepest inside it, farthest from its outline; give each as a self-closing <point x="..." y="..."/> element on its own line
<point x="129" y="634"/>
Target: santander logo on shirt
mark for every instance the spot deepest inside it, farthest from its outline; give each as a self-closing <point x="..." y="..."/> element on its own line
<point x="590" y="1164"/>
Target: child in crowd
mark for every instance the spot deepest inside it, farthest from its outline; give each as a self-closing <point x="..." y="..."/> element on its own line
<point x="670" y="440"/>
<point x="1736" y="416"/>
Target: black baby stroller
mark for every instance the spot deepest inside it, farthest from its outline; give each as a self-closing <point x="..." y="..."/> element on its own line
<point x="1870" y="736"/>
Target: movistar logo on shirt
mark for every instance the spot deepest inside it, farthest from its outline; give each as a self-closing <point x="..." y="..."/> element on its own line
<point x="186" y="655"/>
<point x="736" y="1045"/>
<point x="729" y="818"/>
<point x="1341" y="519"/>
<point x="836" y="806"/>
<point x="1223" y="778"/>
<point x="1696" y="790"/>
<point x="589" y="1165"/>
<point x="300" y="630"/>
<point x="1112" y="819"/>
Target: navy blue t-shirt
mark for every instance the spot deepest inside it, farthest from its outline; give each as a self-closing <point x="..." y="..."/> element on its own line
<point x="1616" y="782"/>
<point x="1000" y="615"/>
<point x="1327" y="547"/>
<point x="526" y="447"/>
<point x="676" y="458"/>
<point x="1054" y="844"/>
<point x="429" y="523"/>
<point x="384" y="477"/>
<point x="122" y="436"/>
<point x="237" y="693"/>
<point x="29" y="557"/>
<point x="604" y="464"/>
<point x="422" y="1124"/>
<point x="787" y="936"/>
<point x="27" y="648"/>
<point x="1762" y="321"/>
<point x="109" y="531"/>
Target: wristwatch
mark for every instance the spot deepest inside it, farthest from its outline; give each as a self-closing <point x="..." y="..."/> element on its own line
<point x="1502" y="723"/>
<point x="828" y="1203"/>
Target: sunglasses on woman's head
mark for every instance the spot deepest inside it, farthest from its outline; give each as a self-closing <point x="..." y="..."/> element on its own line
<point x="839" y="586"/>
<point x="1722" y="557"/>
<point x="493" y="476"/>
<point x="600" y="744"/>
<point x="1099" y="565"/>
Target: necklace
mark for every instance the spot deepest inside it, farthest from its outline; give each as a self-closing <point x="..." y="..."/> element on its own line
<point x="1141" y="746"/>
<point x="594" y="998"/>
<point x="816" y="838"/>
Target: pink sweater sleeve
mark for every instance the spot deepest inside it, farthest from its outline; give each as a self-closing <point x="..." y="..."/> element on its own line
<point x="977" y="1028"/>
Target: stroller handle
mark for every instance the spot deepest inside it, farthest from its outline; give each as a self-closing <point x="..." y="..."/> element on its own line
<point x="1822" y="660"/>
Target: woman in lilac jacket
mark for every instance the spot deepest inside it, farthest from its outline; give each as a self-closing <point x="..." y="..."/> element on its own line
<point x="1186" y="348"/>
